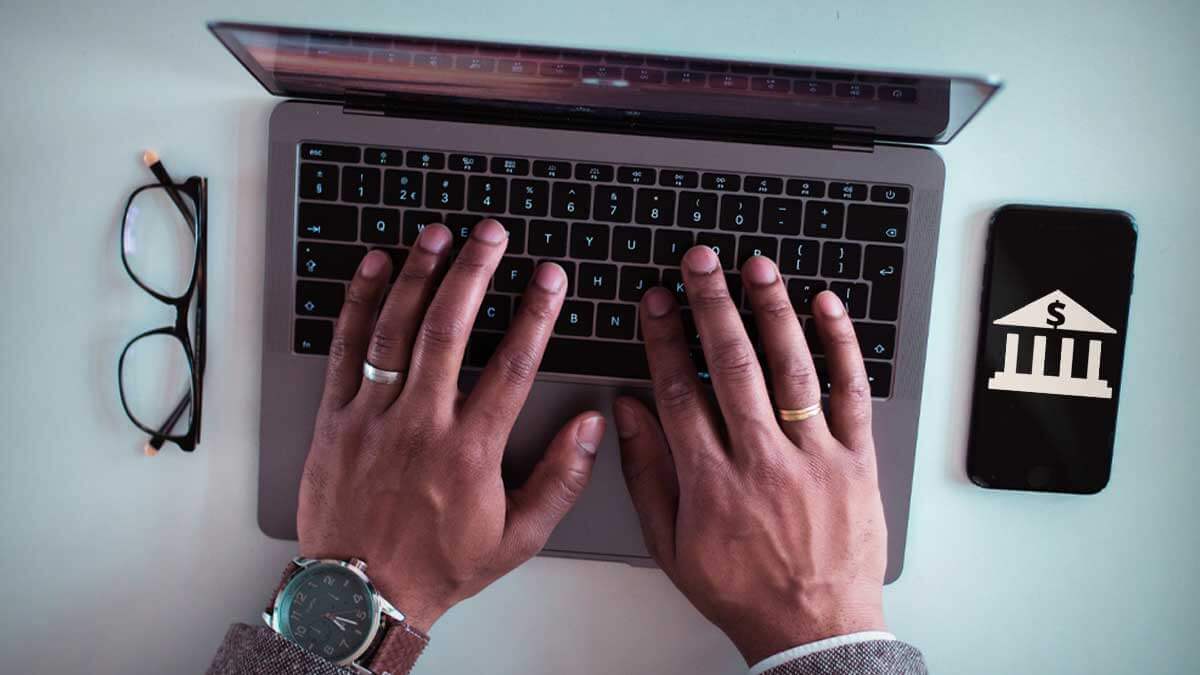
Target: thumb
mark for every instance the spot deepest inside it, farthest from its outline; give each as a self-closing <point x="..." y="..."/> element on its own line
<point x="536" y="508"/>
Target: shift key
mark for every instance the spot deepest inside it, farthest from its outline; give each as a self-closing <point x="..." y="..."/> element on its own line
<point x="881" y="267"/>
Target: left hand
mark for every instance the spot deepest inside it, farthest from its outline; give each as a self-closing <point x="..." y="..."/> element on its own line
<point x="406" y="476"/>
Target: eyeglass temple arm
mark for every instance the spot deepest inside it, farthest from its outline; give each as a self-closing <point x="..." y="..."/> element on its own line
<point x="157" y="440"/>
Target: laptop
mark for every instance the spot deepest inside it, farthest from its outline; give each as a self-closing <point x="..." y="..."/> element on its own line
<point x="612" y="165"/>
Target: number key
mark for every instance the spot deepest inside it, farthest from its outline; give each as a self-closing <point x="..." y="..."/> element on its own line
<point x="739" y="213"/>
<point x="360" y="185"/>
<point x="697" y="209"/>
<point x="318" y="181"/>
<point x="655" y="207"/>
<point x="571" y="200"/>
<point x="444" y="191"/>
<point x="529" y="198"/>
<point x="487" y="194"/>
<point x="402" y="188"/>
<point x="613" y="204"/>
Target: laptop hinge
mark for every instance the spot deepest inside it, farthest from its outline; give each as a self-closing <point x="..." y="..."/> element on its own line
<point x="700" y="127"/>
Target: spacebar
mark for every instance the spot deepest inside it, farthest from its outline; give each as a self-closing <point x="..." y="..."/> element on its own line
<point x="575" y="357"/>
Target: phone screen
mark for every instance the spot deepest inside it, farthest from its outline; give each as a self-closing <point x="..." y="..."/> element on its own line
<point x="1052" y="341"/>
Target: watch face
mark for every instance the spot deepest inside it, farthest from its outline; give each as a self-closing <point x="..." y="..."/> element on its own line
<point x="329" y="610"/>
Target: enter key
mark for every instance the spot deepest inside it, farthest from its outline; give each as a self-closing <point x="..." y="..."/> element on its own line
<point x="881" y="267"/>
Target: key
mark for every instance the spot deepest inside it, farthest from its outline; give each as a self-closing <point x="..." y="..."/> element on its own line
<point x="602" y="72"/>
<point x="729" y="82"/>
<point x="381" y="226"/>
<point x="488" y="194"/>
<point x="468" y="163"/>
<point x="840" y="260"/>
<point x="384" y="157"/>
<point x="655" y="207"/>
<point x="328" y="261"/>
<point x="876" y="340"/>
<point x="749" y="247"/>
<point x="854" y="90"/>
<point x="849" y="191"/>
<point x="329" y="153"/>
<point x="799" y="256"/>
<point x="631" y="244"/>
<point x="635" y="281"/>
<point x="318" y="181"/>
<point x="360" y="185"/>
<point x="881" y="266"/>
<point x="733" y="282"/>
<point x="672" y="280"/>
<point x="571" y="200"/>
<point x="686" y="78"/>
<point x="543" y="169"/>
<point x="569" y="269"/>
<point x="575" y="319"/>
<point x="876" y="223"/>
<point x="644" y="75"/>
<point x="636" y="175"/>
<point x="312" y="336"/>
<point x="561" y="70"/>
<point x="823" y="219"/>
<point x="513" y="274"/>
<point x="771" y="84"/>
<point x="805" y="187"/>
<point x="764" y="185"/>
<point x="601" y="173"/>
<point x="879" y="375"/>
<point x="444" y="191"/>
<point x="813" y="88"/>
<point x="854" y="296"/>
<point x="326" y="221"/>
<point x="476" y="63"/>
<point x="691" y="334"/>
<point x="721" y="181"/>
<point x="530" y="197"/>
<point x="421" y="159"/>
<point x="402" y="188"/>
<point x="615" y="321"/>
<point x="613" y="204"/>
<point x="510" y="166"/>
<point x="802" y="292"/>
<point x="697" y="209"/>
<point x="548" y="238"/>
<point x="516" y="233"/>
<point x="739" y="213"/>
<point x="597" y="281"/>
<point x="398" y="256"/>
<point x="589" y="241"/>
<point x="460" y="225"/>
<point x="494" y="313"/>
<point x="890" y="194"/>
<point x="415" y="221"/>
<point x="892" y="93"/>
<point x="724" y="245"/>
<point x="670" y="245"/>
<point x="679" y="179"/>
<point x="782" y="216"/>
<point x="319" y="298"/>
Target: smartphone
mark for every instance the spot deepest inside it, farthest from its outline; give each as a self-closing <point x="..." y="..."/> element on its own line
<point x="1055" y="309"/>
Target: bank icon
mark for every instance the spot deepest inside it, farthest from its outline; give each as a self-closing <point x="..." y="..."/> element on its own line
<point x="1045" y="317"/>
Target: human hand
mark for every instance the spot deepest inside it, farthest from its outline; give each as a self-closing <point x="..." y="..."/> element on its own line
<point x="773" y="530"/>
<point x="406" y="476"/>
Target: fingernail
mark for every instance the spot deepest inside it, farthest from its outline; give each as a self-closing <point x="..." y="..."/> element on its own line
<point x="434" y="239"/>
<point x="830" y="305"/>
<point x="549" y="277"/>
<point x="701" y="260"/>
<point x="589" y="433"/>
<point x="759" y="271"/>
<point x="490" y="231"/>
<point x="659" y="302"/>
<point x="627" y="420"/>
<point x="373" y="264"/>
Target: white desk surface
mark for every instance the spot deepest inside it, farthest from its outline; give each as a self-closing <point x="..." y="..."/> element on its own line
<point x="114" y="563"/>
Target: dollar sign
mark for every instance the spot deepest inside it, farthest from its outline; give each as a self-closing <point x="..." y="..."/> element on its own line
<point x="1056" y="318"/>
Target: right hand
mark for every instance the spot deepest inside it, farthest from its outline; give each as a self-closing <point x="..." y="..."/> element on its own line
<point x="773" y="530"/>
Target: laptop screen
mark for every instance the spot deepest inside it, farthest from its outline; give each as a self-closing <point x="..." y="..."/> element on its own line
<point x="328" y="65"/>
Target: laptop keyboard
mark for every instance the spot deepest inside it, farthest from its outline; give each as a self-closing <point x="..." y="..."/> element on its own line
<point x="616" y="230"/>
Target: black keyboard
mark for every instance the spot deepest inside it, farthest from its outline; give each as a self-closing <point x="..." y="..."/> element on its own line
<point x="616" y="230"/>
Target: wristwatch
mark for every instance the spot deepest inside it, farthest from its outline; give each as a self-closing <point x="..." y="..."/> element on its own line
<point x="331" y="608"/>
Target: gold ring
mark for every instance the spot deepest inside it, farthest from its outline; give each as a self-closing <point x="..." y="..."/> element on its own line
<point x="801" y="414"/>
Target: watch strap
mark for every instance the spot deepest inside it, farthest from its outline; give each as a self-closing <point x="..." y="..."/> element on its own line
<point x="288" y="573"/>
<point x="399" y="648"/>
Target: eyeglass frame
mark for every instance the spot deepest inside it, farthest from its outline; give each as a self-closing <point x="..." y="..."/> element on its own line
<point x="196" y="188"/>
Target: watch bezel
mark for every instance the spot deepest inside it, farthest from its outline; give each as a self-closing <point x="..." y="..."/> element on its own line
<point x="375" y="613"/>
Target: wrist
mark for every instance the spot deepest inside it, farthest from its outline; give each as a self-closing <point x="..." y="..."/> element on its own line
<point x="773" y="631"/>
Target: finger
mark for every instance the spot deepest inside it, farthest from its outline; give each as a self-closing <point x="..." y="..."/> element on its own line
<point x="650" y="477"/>
<point x="391" y="341"/>
<point x="536" y="508"/>
<point x="736" y="374"/>
<point x="792" y="374"/>
<point x="850" y="392"/>
<point x="687" y="417"/>
<point x="505" y="382"/>
<point x="442" y="339"/>
<point x="349" y="344"/>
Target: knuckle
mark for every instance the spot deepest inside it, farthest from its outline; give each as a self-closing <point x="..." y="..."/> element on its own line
<point x="675" y="391"/>
<point x="443" y="329"/>
<point x="795" y="374"/>
<point x="841" y="336"/>
<point x="414" y="274"/>
<point x="384" y="344"/>
<point x="857" y="390"/>
<point x="537" y="307"/>
<point x="472" y="263"/>
<point x="569" y="485"/>
<point x="733" y="359"/>
<point x="358" y="295"/>
<point x="708" y="294"/>
<point x="339" y="347"/>
<point x="518" y="363"/>
<point x="777" y="309"/>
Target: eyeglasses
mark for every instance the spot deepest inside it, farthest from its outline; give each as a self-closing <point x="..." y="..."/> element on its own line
<point x="160" y="374"/>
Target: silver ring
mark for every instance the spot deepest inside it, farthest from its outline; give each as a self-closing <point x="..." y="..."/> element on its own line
<point x="382" y="376"/>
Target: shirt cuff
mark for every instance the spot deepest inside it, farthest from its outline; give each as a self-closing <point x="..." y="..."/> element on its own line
<point x="814" y="647"/>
